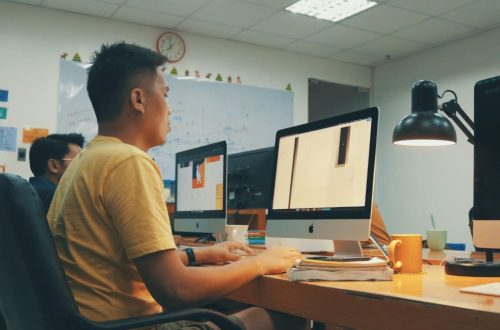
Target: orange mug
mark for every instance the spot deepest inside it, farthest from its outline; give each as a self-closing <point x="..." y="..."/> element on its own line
<point x="405" y="253"/>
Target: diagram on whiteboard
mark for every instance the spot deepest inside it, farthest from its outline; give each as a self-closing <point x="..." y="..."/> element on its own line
<point x="203" y="112"/>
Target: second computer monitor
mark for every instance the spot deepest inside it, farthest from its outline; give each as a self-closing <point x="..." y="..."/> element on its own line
<point x="200" y="181"/>
<point x="249" y="179"/>
<point x="323" y="183"/>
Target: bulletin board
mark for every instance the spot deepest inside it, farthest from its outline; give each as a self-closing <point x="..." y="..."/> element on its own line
<point x="203" y="112"/>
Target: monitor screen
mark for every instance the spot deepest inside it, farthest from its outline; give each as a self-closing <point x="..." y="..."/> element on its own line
<point x="323" y="182"/>
<point x="249" y="179"/>
<point x="200" y="185"/>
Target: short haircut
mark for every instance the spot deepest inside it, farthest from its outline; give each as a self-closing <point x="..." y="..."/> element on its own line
<point x="53" y="146"/>
<point x="115" y="71"/>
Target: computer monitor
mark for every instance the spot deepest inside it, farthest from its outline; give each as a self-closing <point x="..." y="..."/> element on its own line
<point x="323" y="180"/>
<point x="200" y="184"/>
<point x="249" y="179"/>
<point x="486" y="211"/>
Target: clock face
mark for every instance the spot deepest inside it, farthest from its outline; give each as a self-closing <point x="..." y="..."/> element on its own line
<point x="172" y="46"/>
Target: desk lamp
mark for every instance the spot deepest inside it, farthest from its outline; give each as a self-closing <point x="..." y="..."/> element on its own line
<point x="426" y="127"/>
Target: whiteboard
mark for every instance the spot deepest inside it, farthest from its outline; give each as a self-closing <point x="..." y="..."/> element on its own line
<point x="203" y="112"/>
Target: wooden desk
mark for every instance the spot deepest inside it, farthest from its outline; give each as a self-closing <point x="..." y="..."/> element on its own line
<point x="427" y="301"/>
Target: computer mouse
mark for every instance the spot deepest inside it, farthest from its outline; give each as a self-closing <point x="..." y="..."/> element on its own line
<point x="240" y="252"/>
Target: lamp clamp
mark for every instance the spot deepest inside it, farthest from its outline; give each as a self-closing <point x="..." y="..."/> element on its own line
<point x="451" y="108"/>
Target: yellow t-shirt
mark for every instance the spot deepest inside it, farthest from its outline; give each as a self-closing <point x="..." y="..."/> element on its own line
<point x="107" y="210"/>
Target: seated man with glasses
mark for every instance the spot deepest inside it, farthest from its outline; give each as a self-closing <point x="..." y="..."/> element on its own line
<point x="49" y="157"/>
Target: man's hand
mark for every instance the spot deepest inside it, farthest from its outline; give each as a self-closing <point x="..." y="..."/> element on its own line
<point x="277" y="259"/>
<point x="222" y="252"/>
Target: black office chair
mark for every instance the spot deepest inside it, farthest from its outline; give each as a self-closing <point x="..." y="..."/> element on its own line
<point x="34" y="292"/>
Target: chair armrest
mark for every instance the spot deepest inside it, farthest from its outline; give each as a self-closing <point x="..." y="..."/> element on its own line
<point x="192" y="314"/>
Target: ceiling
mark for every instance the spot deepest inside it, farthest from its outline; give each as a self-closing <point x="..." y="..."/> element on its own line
<point x="391" y="30"/>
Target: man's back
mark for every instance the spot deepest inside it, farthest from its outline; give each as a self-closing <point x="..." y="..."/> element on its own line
<point x="45" y="189"/>
<point x="99" y="228"/>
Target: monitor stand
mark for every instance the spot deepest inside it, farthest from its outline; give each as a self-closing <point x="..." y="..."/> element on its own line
<point x="474" y="267"/>
<point x="347" y="249"/>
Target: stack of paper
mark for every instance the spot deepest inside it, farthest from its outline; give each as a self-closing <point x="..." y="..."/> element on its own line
<point x="366" y="270"/>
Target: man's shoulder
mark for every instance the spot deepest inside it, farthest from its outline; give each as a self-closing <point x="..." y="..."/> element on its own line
<point x="112" y="147"/>
<point x="41" y="183"/>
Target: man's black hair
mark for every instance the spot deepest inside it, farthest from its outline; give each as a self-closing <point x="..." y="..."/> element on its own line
<point x="53" y="146"/>
<point x="113" y="74"/>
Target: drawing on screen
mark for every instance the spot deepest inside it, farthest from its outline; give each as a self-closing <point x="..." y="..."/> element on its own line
<point x="343" y="146"/>
<point x="198" y="176"/>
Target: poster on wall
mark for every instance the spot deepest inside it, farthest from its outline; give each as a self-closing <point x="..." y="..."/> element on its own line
<point x="8" y="137"/>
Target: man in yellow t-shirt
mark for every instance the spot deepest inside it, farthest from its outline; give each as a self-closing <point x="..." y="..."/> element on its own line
<point x="110" y="223"/>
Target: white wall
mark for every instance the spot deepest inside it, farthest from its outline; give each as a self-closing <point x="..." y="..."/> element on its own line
<point x="32" y="39"/>
<point x="412" y="183"/>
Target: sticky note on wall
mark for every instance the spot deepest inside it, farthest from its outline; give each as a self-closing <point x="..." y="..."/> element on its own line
<point x="30" y="134"/>
<point x="4" y="95"/>
<point x="3" y="113"/>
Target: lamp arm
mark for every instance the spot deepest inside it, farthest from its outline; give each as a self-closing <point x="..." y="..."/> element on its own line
<point x="451" y="108"/>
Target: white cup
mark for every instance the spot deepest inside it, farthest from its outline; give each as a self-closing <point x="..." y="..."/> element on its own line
<point x="237" y="233"/>
<point x="436" y="239"/>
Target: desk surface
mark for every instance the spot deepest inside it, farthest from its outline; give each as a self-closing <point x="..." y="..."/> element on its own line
<point x="429" y="300"/>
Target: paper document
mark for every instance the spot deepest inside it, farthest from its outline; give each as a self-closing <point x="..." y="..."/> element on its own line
<point x="372" y="263"/>
<point x="490" y="289"/>
<point x="295" y="274"/>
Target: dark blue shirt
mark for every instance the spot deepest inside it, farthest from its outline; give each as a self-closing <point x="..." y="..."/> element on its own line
<point x="45" y="189"/>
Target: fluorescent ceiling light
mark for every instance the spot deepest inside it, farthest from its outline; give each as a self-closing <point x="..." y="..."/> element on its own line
<point x="331" y="10"/>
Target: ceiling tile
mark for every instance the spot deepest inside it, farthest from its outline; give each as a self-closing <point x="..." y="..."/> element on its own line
<point x="31" y="2"/>
<point x="291" y="25"/>
<point x="429" y="7"/>
<point x="484" y="13"/>
<point x="391" y="46"/>
<point x="173" y="7"/>
<point x="206" y="28"/>
<point x="258" y="38"/>
<point x="88" y="7"/>
<point x="146" y="17"/>
<point x="350" y="56"/>
<point x="274" y="3"/>
<point x="230" y="12"/>
<point x="342" y="36"/>
<point x="394" y="27"/>
<point x="434" y="31"/>
<point x="116" y="2"/>
<point x="312" y="49"/>
<point x="384" y="19"/>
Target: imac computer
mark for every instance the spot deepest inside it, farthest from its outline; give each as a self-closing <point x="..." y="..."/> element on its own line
<point x="200" y="184"/>
<point x="323" y="181"/>
<point x="249" y="179"/>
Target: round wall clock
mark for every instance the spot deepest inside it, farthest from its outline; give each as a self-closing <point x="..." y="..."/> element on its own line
<point x="172" y="46"/>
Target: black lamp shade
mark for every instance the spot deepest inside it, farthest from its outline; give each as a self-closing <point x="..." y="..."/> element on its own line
<point x="424" y="126"/>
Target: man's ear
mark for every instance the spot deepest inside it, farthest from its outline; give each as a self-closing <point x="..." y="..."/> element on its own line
<point x="138" y="98"/>
<point x="53" y="166"/>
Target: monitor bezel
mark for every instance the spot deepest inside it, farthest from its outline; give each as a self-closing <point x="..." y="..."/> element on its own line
<point x="340" y="213"/>
<point x="202" y="214"/>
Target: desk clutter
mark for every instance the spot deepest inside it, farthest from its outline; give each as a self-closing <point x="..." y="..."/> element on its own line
<point x="490" y="289"/>
<point x="314" y="269"/>
<point x="256" y="237"/>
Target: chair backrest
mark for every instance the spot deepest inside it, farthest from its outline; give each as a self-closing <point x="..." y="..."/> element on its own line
<point x="34" y="292"/>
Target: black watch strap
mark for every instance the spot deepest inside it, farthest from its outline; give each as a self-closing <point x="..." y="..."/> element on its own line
<point x="190" y="255"/>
